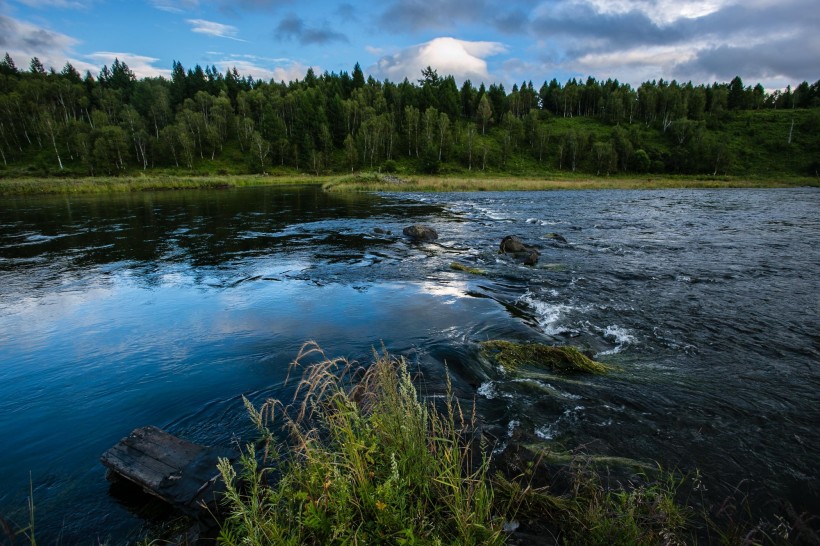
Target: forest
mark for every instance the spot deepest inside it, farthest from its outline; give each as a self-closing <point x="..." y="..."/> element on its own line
<point x="201" y="121"/>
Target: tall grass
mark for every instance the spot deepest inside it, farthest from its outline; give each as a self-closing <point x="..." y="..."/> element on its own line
<point x="364" y="461"/>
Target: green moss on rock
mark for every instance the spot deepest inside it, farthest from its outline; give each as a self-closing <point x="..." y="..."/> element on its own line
<point x="560" y="359"/>
<point x="467" y="269"/>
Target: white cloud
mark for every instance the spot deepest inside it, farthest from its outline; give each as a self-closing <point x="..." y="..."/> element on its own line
<point x="449" y="56"/>
<point x="140" y="65"/>
<point x="175" y="6"/>
<point x="201" y="26"/>
<point x="661" y="12"/>
<point x="24" y="40"/>
<point x="277" y="70"/>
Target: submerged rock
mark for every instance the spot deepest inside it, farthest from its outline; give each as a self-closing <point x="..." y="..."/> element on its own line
<point x="556" y="237"/>
<point x="532" y="258"/>
<point x="419" y="232"/>
<point x="563" y="359"/>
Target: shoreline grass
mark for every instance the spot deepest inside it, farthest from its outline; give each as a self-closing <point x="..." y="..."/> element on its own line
<point x="368" y="182"/>
<point x="377" y="182"/>
<point x="365" y="460"/>
<point x="91" y="185"/>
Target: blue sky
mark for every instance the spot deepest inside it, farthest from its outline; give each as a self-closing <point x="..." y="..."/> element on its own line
<point x="774" y="42"/>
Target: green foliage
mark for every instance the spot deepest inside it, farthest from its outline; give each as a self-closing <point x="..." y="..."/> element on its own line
<point x="366" y="463"/>
<point x="57" y="124"/>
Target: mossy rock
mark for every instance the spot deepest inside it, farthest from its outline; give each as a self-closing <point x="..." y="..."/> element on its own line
<point x="467" y="269"/>
<point x="563" y="359"/>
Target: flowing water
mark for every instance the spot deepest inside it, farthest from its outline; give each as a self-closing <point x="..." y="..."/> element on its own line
<point x="119" y="311"/>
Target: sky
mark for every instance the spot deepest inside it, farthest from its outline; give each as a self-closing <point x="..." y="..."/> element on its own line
<point x="772" y="42"/>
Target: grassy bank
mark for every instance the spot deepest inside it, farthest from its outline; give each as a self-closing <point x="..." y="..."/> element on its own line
<point x="379" y="182"/>
<point x="34" y="186"/>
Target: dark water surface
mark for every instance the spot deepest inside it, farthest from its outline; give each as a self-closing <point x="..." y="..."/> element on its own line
<point x="165" y="308"/>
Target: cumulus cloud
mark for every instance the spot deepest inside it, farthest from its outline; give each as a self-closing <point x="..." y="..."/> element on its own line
<point x="211" y="28"/>
<point x="295" y="28"/>
<point x="460" y="58"/>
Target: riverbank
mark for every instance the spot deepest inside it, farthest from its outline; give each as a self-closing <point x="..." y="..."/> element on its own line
<point x="383" y="182"/>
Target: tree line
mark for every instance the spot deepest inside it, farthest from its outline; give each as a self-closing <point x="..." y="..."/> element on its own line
<point x="198" y="119"/>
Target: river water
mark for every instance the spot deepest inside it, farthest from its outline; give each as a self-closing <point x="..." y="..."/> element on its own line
<point x="119" y="311"/>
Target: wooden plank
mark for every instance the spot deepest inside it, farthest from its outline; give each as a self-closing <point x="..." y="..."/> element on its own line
<point x="144" y="471"/>
<point x="164" y="447"/>
<point x="175" y="470"/>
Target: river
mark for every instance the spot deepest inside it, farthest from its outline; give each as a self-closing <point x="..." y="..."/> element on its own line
<point x="123" y="310"/>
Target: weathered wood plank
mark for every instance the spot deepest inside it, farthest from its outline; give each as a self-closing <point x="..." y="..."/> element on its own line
<point x="164" y="447"/>
<point x="175" y="470"/>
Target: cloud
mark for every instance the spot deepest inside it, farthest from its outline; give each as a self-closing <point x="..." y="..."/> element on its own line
<point x="408" y="16"/>
<point x="762" y="62"/>
<point x="65" y="4"/>
<point x="414" y="15"/>
<point x="261" y="68"/>
<point x="176" y="6"/>
<point x="24" y="40"/>
<point x="660" y="12"/>
<point x="703" y="40"/>
<point x="141" y="65"/>
<point x="462" y="59"/>
<point x="294" y="28"/>
<point x="211" y="28"/>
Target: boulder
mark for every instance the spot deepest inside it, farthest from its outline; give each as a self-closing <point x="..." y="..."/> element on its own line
<point x="514" y="246"/>
<point x="511" y="245"/>
<point x="419" y="232"/>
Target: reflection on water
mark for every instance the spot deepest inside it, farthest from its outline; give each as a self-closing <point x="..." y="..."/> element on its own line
<point x="165" y="308"/>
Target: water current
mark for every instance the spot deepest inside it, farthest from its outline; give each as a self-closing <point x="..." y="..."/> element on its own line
<point x="119" y="311"/>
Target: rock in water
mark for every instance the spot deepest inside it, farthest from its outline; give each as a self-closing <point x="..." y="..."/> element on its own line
<point x="419" y="232"/>
<point x="514" y="246"/>
<point x="532" y="258"/>
<point x="556" y="237"/>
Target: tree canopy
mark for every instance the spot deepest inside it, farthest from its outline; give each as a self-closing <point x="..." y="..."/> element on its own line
<point x="113" y="122"/>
